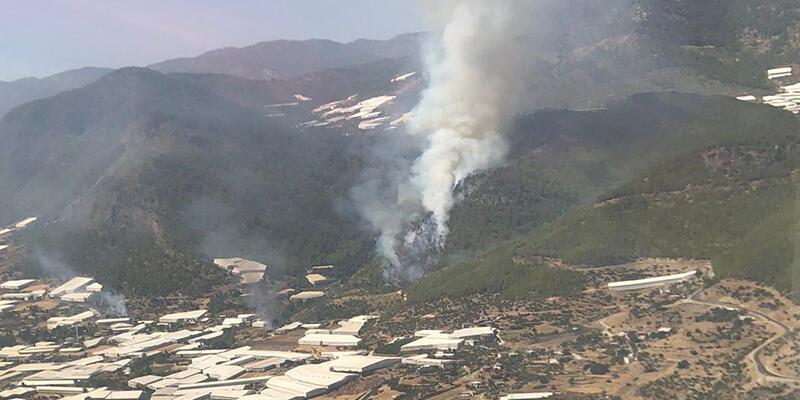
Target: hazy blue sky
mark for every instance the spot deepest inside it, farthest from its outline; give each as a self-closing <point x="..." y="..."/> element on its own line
<point x="42" y="37"/>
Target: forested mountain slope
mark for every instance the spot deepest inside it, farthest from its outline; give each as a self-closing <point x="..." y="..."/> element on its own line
<point x="718" y="181"/>
<point x="140" y="171"/>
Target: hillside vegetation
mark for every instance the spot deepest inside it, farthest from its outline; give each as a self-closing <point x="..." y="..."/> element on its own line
<point x="733" y="199"/>
<point x="497" y="271"/>
<point x="718" y="183"/>
<point x="146" y="173"/>
<point x="563" y="159"/>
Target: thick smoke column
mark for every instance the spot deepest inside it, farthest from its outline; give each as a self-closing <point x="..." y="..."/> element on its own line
<point x="473" y="75"/>
<point x="475" y="79"/>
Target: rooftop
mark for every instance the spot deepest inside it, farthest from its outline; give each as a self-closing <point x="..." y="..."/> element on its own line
<point x="182" y="316"/>
<point x="307" y="295"/>
<point x="650" y="282"/>
<point x="73" y="285"/>
<point x="16" y="284"/>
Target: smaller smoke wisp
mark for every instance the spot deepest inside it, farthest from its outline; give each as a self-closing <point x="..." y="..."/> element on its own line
<point x="50" y="266"/>
<point x="222" y="236"/>
<point x="110" y="303"/>
<point x="107" y="301"/>
<point x="475" y="73"/>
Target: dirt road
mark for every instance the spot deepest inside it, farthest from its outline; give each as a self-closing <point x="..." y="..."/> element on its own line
<point x="762" y="370"/>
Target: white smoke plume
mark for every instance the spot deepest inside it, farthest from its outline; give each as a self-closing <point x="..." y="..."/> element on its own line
<point x="475" y="74"/>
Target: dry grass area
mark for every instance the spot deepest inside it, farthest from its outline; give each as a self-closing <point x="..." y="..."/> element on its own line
<point x="753" y="296"/>
<point x="784" y="356"/>
<point x="255" y="338"/>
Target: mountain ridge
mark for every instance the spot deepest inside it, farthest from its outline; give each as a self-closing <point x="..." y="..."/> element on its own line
<point x="20" y="91"/>
<point x="287" y="59"/>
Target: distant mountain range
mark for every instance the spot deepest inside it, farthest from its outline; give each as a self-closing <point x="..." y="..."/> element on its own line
<point x="287" y="59"/>
<point x="280" y="59"/>
<point x="22" y="91"/>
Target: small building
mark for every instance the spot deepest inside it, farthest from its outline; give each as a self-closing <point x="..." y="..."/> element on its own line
<point x="26" y="296"/>
<point x="143" y="381"/>
<point x="285" y="293"/>
<point x="120" y="327"/>
<point x="528" y="396"/>
<point x="424" y="361"/>
<point x="249" y="271"/>
<point x="348" y="328"/>
<point x="352" y="326"/>
<point x="17" y="393"/>
<point x="56" y="389"/>
<point x="77" y="284"/>
<point x="125" y="395"/>
<point x="223" y="372"/>
<point x="17" y="284"/>
<point x="443" y="342"/>
<point x="428" y="332"/>
<point x="283" y="387"/>
<point x="316" y="279"/>
<point x="25" y="222"/>
<point x="307" y="295"/>
<point x="475" y="333"/>
<point x="289" y="327"/>
<point x="361" y="364"/>
<point x="332" y="355"/>
<point x="7" y="305"/>
<point x="319" y="375"/>
<point x="265" y="364"/>
<point x="776" y="73"/>
<point x="317" y="339"/>
<point x="662" y="332"/>
<point x="651" y="282"/>
<point x="56" y="322"/>
<point x="232" y="321"/>
<point x="249" y="278"/>
<point x="402" y="77"/>
<point x="95" y="287"/>
<point x="111" y="321"/>
<point x="81" y="297"/>
<point x="182" y="317"/>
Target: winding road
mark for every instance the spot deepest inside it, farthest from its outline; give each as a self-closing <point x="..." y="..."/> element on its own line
<point x="762" y="370"/>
